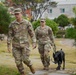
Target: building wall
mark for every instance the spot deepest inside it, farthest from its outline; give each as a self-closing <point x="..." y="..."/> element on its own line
<point x="56" y="11"/>
<point x="2" y="0"/>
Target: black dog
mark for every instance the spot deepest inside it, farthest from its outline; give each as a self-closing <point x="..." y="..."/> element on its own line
<point x="59" y="57"/>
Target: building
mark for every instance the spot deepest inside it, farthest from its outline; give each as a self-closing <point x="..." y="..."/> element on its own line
<point x="63" y="7"/>
<point x="2" y="0"/>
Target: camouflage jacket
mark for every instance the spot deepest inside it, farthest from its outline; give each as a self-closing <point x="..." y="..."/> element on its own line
<point x="44" y="35"/>
<point x="19" y="32"/>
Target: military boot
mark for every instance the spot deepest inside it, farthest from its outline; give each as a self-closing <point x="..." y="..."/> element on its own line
<point x="22" y="74"/>
<point x="32" y="69"/>
<point x="46" y="68"/>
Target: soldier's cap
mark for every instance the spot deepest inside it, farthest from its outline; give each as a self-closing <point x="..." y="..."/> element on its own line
<point x="17" y="10"/>
<point x="42" y="19"/>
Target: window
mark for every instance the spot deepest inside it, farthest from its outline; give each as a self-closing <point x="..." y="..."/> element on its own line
<point x="50" y="10"/>
<point x="62" y="10"/>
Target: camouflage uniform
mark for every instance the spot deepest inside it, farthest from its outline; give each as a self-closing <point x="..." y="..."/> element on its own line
<point x="19" y="33"/>
<point x="45" y="39"/>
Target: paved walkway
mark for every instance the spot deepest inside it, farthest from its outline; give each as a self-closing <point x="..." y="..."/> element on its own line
<point x="68" y="42"/>
<point x="50" y="72"/>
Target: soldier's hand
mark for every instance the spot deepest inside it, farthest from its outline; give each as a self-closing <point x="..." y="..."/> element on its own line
<point x="9" y="48"/>
<point x="9" y="51"/>
<point x="54" y="48"/>
<point x="34" y="45"/>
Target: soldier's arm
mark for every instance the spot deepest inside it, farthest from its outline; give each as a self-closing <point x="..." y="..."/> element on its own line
<point x="36" y="34"/>
<point x="51" y="35"/>
<point x="31" y="33"/>
<point x="9" y="38"/>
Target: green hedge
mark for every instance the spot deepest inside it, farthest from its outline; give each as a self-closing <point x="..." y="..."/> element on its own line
<point x="49" y="22"/>
<point x="71" y="33"/>
<point x="5" y="19"/>
<point x="60" y="34"/>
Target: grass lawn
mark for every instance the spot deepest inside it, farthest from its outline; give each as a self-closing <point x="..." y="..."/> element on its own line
<point x="7" y="70"/>
<point x="8" y="67"/>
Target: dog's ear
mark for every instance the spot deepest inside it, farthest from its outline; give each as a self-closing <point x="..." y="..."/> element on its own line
<point x="61" y="49"/>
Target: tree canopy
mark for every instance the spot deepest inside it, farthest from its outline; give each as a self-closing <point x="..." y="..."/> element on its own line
<point x="74" y="19"/>
<point x="36" y="6"/>
<point x="62" y="20"/>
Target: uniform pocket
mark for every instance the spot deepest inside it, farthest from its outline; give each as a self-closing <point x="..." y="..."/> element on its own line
<point x="47" y="47"/>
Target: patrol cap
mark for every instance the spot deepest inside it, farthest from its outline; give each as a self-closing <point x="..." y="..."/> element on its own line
<point x="42" y="19"/>
<point x="17" y="10"/>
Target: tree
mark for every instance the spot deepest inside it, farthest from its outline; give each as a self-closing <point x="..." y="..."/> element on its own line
<point x="38" y="7"/>
<point x="71" y="33"/>
<point x="49" y="22"/>
<point x="62" y="20"/>
<point x="74" y="19"/>
<point x="74" y="10"/>
<point x="5" y="19"/>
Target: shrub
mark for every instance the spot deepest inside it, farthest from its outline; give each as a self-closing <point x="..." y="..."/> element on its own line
<point x="36" y="24"/>
<point x="73" y="20"/>
<point x="49" y="22"/>
<point x="5" y="19"/>
<point x="71" y="33"/>
<point x="62" y="20"/>
<point x="60" y="34"/>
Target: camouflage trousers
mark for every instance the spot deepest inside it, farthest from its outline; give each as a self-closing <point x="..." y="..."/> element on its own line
<point x="44" y="50"/>
<point x="21" y="54"/>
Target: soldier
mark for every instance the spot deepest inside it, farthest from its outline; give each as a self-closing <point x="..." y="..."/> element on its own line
<point x="18" y="33"/>
<point x="44" y="36"/>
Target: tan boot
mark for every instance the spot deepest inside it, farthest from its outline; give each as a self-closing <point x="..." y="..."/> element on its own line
<point x="22" y="74"/>
<point x="46" y="68"/>
<point x="32" y="69"/>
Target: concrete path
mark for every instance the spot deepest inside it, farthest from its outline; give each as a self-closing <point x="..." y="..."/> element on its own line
<point x="67" y="42"/>
<point x="50" y="72"/>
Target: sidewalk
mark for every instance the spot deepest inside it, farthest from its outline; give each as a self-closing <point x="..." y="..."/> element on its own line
<point x="43" y="72"/>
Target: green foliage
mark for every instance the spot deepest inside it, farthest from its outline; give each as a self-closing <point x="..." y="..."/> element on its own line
<point x="70" y="33"/>
<point x="49" y="22"/>
<point x="18" y="1"/>
<point x="53" y="25"/>
<point x="73" y="21"/>
<point x="36" y="24"/>
<point x="12" y="19"/>
<point x="60" y="34"/>
<point x="62" y="20"/>
<point x="5" y="19"/>
<point x="5" y="70"/>
<point x="25" y="1"/>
